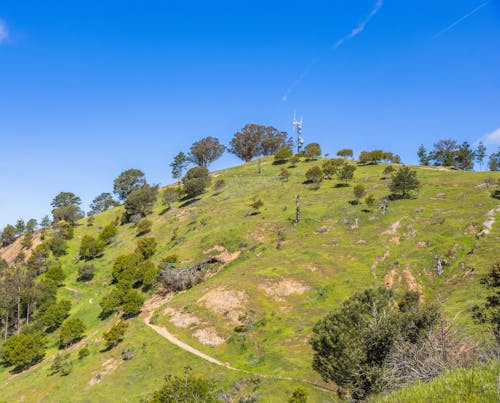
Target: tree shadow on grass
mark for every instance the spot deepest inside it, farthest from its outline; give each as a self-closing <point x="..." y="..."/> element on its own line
<point x="341" y="185"/>
<point x="188" y="202"/>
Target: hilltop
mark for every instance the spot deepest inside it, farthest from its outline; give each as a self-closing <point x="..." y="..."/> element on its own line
<point x="249" y="322"/>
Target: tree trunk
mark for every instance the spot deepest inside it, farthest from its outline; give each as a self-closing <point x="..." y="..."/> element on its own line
<point x="297" y="209"/>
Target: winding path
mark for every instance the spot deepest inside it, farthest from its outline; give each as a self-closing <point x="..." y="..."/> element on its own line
<point x="156" y="301"/>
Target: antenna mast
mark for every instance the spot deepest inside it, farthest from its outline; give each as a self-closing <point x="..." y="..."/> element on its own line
<point x="298" y="128"/>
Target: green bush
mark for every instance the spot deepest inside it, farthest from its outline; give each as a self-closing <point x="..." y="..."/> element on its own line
<point x="71" y="331"/>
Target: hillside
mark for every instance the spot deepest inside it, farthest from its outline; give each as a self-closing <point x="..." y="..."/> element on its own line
<point x="255" y="311"/>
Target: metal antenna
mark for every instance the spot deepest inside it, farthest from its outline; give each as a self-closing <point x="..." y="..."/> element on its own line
<point x="298" y="127"/>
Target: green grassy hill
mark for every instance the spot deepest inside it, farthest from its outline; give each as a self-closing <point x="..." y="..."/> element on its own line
<point x="256" y="313"/>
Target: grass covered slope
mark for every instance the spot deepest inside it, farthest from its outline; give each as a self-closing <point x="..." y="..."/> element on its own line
<point x="257" y="312"/>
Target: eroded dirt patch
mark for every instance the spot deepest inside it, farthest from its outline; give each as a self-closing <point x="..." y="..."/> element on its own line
<point x="224" y="253"/>
<point x="108" y="366"/>
<point x="208" y="336"/>
<point x="229" y="303"/>
<point x="284" y="288"/>
<point x="181" y="319"/>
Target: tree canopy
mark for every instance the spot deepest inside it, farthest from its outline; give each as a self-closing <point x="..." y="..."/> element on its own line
<point x="205" y="151"/>
<point x="128" y="181"/>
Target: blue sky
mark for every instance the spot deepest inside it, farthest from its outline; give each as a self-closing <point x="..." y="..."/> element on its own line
<point x="91" y="88"/>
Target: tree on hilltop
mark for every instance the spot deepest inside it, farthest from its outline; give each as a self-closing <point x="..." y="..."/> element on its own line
<point x="128" y="181"/>
<point x="403" y="181"/>
<point x="205" y="151"/>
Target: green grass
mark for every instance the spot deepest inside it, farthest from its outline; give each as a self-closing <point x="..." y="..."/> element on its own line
<point x="323" y="253"/>
<point x="473" y="385"/>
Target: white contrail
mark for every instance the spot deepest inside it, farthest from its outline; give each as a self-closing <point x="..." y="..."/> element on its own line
<point x="360" y="28"/>
<point x="461" y="19"/>
<point x="297" y="81"/>
<point x="356" y="31"/>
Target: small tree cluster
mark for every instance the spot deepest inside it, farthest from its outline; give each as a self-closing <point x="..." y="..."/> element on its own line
<point x="448" y="152"/>
<point x="376" y="156"/>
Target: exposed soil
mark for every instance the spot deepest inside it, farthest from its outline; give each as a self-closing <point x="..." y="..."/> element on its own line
<point x="229" y="303"/>
<point x="108" y="366"/>
<point x="284" y="288"/>
<point x="181" y="319"/>
<point x="224" y="253"/>
<point x="208" y="336"/>
<point x="10" y="252"/>
<point x="394" y="228"/>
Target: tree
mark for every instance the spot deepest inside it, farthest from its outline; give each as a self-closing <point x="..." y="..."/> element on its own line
<point x="403" y="181"/>
<point x="146" y="247"/>
<point x="70" y="214"/>
<point x="283" y="154"/>
<point x="24" y="350"/>
<point x="58" y="246"/>
<point x="197" y="173"/>
<point x="55" y="273"/>
<point x="63" y="230"/>
<point x="352" y="344"/>
<point x="8" y="235"/>
<point x="65" y="199"/>
<point x="169" y="196"/>
<point x="20" y="227"/>
<point x="494" y="162"/>
<point x="90" y="247"/>
<point x="387" y="156"/>
<point x="246" y="144"/>
<point x="370" y="200"/>
<point x="111" y="302"/>
<point x="45" y="223"/>
<point x="71" y="331"/>
<point x="31" y="226"/>
<point x="359" y="192"/>
<point x="141" y="201"/>
<point x="132" y="303"/>
<point x="86" y="272"/>
<point x="480" y="154"/>
<point x="101" y="203"/>
<point x="108" y="233"/>
<point x="115" y="335"/>
<point x="179" y="165"/>
<point x="444" y="152"/>
<point x="314" y="174"/>
<point x="205" y="151"/>
<point x="423" y="156"/>
<point x="396" y="159"/>
<point x="127" y="182"/>
<point x="346" y="172"/>
<point x="312" y="151"/>
<point x="345" y="152"/>
<point x="194" y="187"/>
<point x="187" y="389"/>
<point x="331" y="166"/>
<point x="124" y="269"/>
<point x="61" y="365"/>
<point x="54" y="315"/>
<point x="489" y="311"/>
<point x="144" y="226"/>
<point x="464" y="158"/>
<point x="273" y="140"/>
<point x="299" y="395"/>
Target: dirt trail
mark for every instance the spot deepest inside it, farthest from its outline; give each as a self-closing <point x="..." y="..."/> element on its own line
<point x="377" y="261"/>
<point x="156" y="301"/>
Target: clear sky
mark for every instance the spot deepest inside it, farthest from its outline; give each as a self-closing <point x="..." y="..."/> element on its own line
<point x="91" y="88"/>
